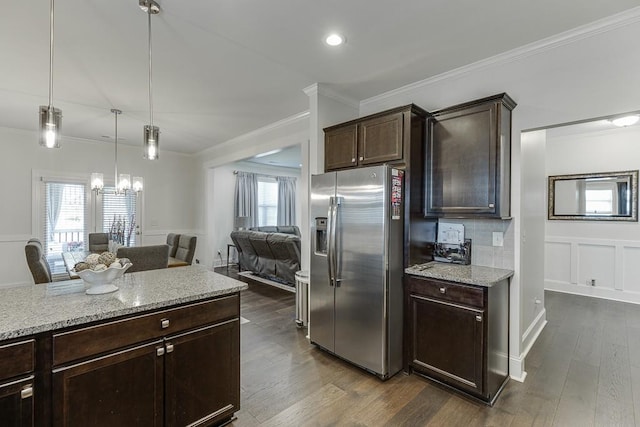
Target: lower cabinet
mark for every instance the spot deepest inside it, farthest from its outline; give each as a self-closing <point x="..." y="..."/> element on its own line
<point x="458" y="334"/>
<point x="17" y="365"/>
<point x="176" y="367"/>
<point x="16" y="403"/>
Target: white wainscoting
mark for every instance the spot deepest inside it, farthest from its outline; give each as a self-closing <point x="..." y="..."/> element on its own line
<point x="572" y="263"/>
<point x="13" y="264"/>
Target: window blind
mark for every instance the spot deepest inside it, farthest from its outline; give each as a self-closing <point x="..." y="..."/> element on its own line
<point x="267" y="201"/>
<point x="119" y="213"/>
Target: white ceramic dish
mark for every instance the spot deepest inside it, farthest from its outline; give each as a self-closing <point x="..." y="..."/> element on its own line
<point x="99" y="282"/>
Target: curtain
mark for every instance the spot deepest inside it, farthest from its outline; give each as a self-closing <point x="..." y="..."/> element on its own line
<point x="623" y="203"/>
<point x="53" y="204"/>
<point x="246" y="198"/>
<point x="286" y="200"/>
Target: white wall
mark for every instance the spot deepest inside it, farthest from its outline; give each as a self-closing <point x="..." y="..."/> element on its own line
<point x="222" y="193"/>
<point x="168" y="198"/>
<point x="578" y="251"/>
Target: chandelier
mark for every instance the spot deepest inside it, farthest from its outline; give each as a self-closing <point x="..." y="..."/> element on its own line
<point x="123" y="182"/>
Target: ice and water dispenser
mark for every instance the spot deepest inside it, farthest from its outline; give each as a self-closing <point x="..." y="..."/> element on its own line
<point x="321" y="236"/>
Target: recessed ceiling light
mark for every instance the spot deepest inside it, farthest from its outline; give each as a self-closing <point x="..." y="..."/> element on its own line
<point x="626" y="120"/>
<point x="334" y="39"/>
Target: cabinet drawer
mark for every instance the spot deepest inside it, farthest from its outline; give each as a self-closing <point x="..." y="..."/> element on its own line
<point x="97" y="339"/>
<point x="447" y="291"/>
<point x="16" y="359"/>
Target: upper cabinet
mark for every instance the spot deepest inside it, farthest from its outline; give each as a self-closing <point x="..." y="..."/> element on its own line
<point x="468" y="159"/>
<point x="380" y="138"/>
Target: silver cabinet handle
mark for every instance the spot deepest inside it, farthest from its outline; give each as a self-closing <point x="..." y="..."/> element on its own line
<point x="169" y="347"/>
<point x="353" y="160"/>
<point x="361" y="158"/>
<point x="492" y="205"/>
<point x="479" y="318"/>
<point x="159" y="351"/>
<point x="443" y="290"/>
<point x="26" y="392"/>
<point x="164" y="323"/>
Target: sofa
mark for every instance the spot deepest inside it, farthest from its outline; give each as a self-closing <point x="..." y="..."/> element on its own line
<point x="274" y="255"/>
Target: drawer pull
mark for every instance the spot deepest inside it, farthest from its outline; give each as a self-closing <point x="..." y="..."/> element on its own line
<point x="353" y="160"/>
<point x="169" y="347"/>
<point x="160" y="351"/>
<point x="361" y="158"/>
<point x="479" y="318"/>
<point x="443" y="290"/>
<point x="26" y="392"/>
<point x="164" y="323"/>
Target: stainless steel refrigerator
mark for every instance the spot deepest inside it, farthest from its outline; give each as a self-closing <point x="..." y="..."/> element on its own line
<point x="355" y="279"/>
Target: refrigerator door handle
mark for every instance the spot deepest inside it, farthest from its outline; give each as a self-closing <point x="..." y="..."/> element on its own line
<point x="329" y="241"/>
<point x="334" y="245"/>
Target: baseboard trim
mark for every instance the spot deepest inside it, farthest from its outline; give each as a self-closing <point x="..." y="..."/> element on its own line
<point x="591" y="291"/>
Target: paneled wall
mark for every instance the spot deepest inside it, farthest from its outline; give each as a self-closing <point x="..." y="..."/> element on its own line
<point x="577" y="252"/>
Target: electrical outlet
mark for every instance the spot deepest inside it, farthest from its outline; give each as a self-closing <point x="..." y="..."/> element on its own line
<point x="498" y="238"/>
<point x="593" y="282"/>
<point x="219" y="253"/>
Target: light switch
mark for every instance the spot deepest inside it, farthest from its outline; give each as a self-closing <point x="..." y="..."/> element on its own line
<point x="498" y="238"/>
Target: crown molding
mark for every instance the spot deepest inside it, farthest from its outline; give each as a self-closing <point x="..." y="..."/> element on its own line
<point x="322" y="89"/>
<point x="592" y="29"/>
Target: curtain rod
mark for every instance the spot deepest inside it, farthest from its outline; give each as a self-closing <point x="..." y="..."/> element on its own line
<point x="235" y="172"/>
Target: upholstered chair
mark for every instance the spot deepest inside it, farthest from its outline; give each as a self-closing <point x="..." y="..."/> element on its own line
<point x="145" y="257"/>
<point x="37" y="262"/>
<point x="186" y="248"/>
<point x="98" y="242"/>
<point x="172" y="241"/>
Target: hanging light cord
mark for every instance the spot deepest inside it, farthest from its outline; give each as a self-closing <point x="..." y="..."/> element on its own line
<point x="116" y="112"/>
<point x="51" y="55"/>
<point x="150" y="68"/>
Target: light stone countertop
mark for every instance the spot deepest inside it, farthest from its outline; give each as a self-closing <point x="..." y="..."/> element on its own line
<point x="468" y="274"/>
<point x="39" y="308"/>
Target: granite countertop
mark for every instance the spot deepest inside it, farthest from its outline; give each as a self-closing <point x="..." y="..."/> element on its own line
<point x="468" y="274"/>
<point x="33" y="309"/>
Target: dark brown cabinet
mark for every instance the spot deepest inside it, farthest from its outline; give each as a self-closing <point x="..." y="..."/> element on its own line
<point x="17" y="384"/>
<point x="458" y="334"/>
<point x="173" y="367"/>
<point x="396" y="137"/>
<point x="468" y="159"/>
<point x="384" y="137"/>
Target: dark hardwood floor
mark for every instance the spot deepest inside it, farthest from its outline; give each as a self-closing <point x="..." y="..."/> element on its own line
<point x="584" y="370"/>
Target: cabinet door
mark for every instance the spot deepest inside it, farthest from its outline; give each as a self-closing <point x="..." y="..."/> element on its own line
<point x="380" y="139"/>
<point x="16" y="403"/>
<point x="203" y="375"/>
<point x="446" y="342"/>
<point x="340" y="147"/>
<point x="461" y="162"/>
<point x="120" y="389"/>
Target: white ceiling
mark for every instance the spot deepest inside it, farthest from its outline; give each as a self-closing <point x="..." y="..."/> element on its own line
<point x="224" y="68"/>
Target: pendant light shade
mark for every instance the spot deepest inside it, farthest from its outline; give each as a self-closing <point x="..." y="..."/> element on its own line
<point x="151" y="137"/>
<point x="50" y="123"/>
<point x="151" y="134"/>
<point x="50" y="120"/>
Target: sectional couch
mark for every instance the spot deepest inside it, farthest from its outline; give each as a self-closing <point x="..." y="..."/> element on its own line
<point x="270" y="252"/>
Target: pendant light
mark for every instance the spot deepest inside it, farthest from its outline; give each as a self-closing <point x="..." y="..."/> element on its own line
<point x="151" y="132"/>
<point x="50" y="117"/>
<point x="123" y="183"/>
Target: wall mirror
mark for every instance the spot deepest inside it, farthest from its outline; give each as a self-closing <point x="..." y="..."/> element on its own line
<point x="606" y="196"/>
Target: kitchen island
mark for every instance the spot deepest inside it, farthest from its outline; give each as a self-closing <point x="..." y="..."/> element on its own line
<point x="162" y="350"/>
<point x="457" y="326"/>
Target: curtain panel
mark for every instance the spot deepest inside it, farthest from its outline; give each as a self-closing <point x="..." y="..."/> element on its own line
<point x="246" y="198"/>
<point x="286" y="200"/>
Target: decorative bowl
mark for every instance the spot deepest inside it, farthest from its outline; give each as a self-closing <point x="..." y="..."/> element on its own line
<point x="99" y="282"/>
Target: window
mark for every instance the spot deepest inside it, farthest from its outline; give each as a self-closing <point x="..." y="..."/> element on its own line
<point x="64" y="221"/>
<point x="267" y="201"/>
<point x="599" y="201"/>
<point x="119" y="216"/>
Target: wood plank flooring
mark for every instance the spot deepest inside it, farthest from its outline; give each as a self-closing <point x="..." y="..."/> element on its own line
<point x="584" y="370"/>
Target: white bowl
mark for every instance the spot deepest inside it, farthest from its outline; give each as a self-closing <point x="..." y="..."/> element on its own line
<point x="100" y="281"/>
